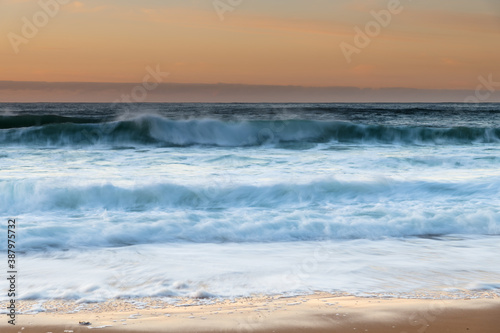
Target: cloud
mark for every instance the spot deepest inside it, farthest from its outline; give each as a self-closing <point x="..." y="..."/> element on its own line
<point x="451" y="62"/>
<point x="12" y="91"/>
<point x="80" y="7"/>
<point x="455" y="21"/>
<point x="247" y="23"/>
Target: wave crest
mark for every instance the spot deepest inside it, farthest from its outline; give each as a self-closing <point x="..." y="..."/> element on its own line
<point x="157" y="130"/>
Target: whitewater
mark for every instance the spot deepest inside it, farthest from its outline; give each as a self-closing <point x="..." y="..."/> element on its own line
<point x="226" y="200"/>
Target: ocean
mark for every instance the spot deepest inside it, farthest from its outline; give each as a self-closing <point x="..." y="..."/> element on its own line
<point x="227" y="200"/>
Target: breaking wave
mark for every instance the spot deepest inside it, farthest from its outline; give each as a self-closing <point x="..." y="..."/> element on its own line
<point x="160" y="131"/>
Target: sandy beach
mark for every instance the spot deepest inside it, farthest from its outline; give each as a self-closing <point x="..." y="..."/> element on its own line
<point x="312" y="313"/>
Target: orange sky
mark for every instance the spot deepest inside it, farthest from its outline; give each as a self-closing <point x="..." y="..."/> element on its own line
<point x="444" y="44"/>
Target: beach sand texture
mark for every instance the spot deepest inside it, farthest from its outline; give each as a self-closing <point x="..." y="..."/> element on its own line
<point x="319" y="312"/>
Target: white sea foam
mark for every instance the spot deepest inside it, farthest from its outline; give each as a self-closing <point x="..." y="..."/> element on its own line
<point x="387" y="267"/>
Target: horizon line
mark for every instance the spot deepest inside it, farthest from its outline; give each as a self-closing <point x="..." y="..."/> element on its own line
<point x="172" y="92"/>
<point x="229" y="84"/>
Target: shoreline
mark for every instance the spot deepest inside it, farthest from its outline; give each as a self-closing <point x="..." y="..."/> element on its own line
<point x="319" y="312"/>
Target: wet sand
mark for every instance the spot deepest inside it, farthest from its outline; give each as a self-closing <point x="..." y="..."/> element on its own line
<point x="313" y="313"/>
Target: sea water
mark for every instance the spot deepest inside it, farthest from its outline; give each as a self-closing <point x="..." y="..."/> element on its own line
<point x="226" y="200"/>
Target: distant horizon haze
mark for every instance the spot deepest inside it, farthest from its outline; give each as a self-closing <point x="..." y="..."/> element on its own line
<point x="101" y="92"/>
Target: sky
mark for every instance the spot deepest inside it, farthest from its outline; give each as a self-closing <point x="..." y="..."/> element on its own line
<point x="414" y="44"/>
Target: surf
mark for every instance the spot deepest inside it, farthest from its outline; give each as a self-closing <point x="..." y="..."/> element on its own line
<point x="155" y="130"/>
